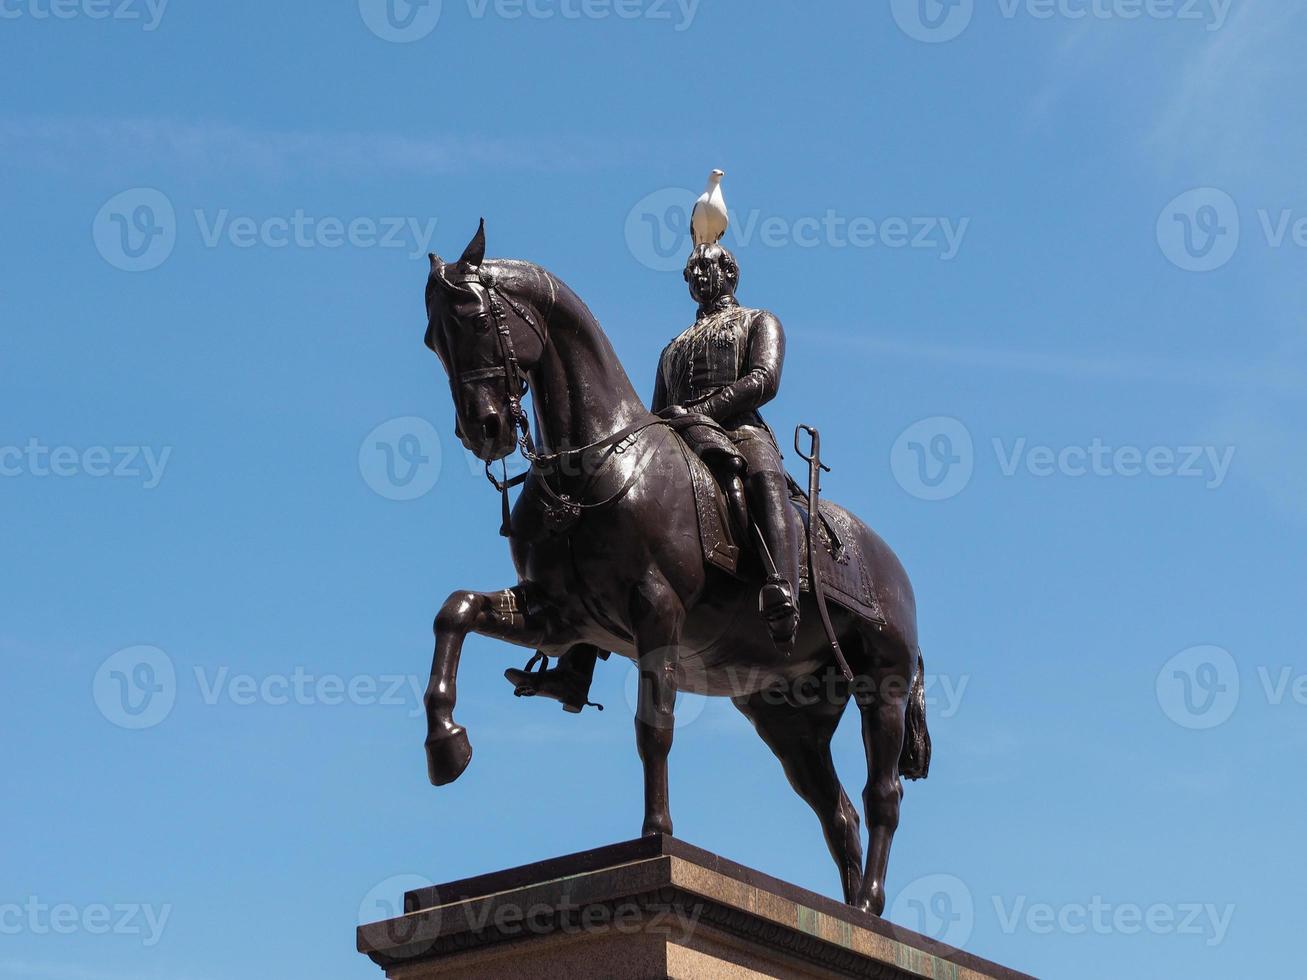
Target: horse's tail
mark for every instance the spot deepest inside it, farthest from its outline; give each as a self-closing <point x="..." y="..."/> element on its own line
<point x="914" y="761"/>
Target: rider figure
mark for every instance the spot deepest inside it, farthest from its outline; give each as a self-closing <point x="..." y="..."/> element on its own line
<point x="725" y="366"/>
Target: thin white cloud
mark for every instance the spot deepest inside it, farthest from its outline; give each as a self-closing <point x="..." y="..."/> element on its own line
<point x="1226" y="104"/>
<point x="68" y="144"/>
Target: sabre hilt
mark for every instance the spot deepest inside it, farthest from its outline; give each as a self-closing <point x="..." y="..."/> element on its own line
<point x="813" y="455"/>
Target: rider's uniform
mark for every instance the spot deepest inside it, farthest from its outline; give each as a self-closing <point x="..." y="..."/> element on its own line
<point x="726" y="366"/>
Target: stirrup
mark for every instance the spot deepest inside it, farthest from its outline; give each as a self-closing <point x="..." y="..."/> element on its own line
<point x="530" y="681"/>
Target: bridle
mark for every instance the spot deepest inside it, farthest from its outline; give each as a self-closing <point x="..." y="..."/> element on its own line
<point x="515" y="379"/>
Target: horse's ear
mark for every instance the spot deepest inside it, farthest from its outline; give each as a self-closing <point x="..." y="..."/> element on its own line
<point x="475" y="253"/>
<point x="437" y="265"/>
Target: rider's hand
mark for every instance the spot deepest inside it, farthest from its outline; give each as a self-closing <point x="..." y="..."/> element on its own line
<point x="674" y="412"/>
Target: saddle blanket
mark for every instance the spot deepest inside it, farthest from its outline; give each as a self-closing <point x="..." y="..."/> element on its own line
<point x="842" y="567"/>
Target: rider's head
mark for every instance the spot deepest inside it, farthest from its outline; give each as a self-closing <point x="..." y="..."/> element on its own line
<point x="712" y="273"/>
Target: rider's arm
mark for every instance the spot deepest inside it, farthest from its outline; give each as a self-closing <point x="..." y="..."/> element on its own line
<point x="761" y="378"/>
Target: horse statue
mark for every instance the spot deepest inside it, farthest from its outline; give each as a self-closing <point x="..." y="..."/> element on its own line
<point x="606" y="539"/>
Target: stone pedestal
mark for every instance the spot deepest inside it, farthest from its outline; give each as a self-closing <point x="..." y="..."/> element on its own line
<point x="648" y="909"/>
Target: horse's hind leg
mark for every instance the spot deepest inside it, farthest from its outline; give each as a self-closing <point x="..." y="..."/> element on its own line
<point x="882" y="689"/>
<point x="800" y="738"/>
<point x="501" y="615"/>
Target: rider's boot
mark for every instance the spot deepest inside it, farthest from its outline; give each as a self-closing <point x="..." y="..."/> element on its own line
<point x="778" y="600"/>
<point x="568" y="683"/>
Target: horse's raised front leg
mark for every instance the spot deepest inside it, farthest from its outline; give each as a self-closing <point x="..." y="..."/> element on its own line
<point x="656" y="619"/>
<point x="501" y="615"/>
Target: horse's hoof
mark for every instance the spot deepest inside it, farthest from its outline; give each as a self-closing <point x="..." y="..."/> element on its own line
<point x="447" y="756"/>
<point x="872" y="900"/>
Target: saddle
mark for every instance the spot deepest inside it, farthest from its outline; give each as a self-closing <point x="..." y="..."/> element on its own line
<point x="713" y="460"/>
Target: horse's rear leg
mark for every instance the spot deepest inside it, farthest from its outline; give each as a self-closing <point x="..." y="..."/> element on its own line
<point x="499" y="614"/>
<point x="882" y="696"/>
<point x="800" y="737"/>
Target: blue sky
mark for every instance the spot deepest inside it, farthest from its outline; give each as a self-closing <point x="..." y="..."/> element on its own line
<point x="1041" y="269"/>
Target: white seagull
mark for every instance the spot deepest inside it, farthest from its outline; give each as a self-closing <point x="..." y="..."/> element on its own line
<point x="709" y="219"/>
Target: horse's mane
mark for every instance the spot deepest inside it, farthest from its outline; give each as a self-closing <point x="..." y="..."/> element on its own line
<point x="525" y="280"/>
<point x="536" y="284"/>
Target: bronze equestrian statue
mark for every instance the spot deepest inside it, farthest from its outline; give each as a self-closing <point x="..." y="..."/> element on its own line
<point x="623" y="543"/>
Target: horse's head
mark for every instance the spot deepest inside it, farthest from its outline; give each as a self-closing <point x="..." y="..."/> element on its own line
<point x="483" y="324"/>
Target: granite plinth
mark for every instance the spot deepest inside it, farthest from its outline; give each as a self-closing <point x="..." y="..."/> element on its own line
<point x="649" y="909"/>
